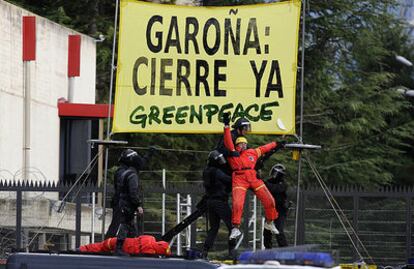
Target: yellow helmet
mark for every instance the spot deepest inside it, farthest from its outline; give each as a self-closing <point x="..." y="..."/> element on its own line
<point x="241" y="139"/>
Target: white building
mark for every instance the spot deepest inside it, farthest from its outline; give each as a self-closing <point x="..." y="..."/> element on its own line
<point x="48" y="82"/>
<point x="58" y="147"/>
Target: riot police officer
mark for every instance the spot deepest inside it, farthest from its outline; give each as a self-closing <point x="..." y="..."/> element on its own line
<point x="126" y="200"/>
<point x="278" y="188"/>
<point x="217" y="183"/>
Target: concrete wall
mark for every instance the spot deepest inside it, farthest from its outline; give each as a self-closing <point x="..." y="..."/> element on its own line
<point x="40" y="212"/>
<point x="49" y="82"/>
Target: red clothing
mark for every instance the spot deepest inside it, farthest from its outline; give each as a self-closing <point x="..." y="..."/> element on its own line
<point x="144" y="244"/>
<point x="244" y="177"/>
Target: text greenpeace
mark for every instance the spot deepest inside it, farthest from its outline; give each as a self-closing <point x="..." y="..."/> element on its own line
<point x="181" y="72"/>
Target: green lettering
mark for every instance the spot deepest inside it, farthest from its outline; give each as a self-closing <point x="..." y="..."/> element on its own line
<point x="249" y="116"/>
<point x="136" y="118"/>
<point x="238" y="112"/>
<point x="168" y="114"/>
<point x="222" y="110"/>
<point x="265" y="114"/>
<point x="154" y="115"/>
<point x="211" y="111"/>
<point x="181" y="114"/>
<point x="194" y="114"/>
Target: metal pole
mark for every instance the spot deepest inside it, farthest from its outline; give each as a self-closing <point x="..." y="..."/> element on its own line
<point x="71" y="89"/>
<point x="78" y="221"/>
<point x="188" y="213"/>
<point x="178" y="221"/>
<point x="19" y="219"/>
<point x="254" y="222"/>
<point x="26" y="120"/>
<point x="108" y="125"/>
<point x="355" y="221"/>
<point x="163" y="201"/>
<point x="408" y="227"/>
<point x="302" y="78"/>
<point x="93" y="219"/>
<point x="261" y="234"/>
<point x="104" y="196"/>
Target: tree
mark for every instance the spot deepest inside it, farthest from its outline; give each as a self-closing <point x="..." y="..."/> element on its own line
<point x="365" y="127"/>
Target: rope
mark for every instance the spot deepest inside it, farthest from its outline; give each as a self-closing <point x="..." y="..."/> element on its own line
<point x="341" y="215"/>
<point x="91" y="165"/>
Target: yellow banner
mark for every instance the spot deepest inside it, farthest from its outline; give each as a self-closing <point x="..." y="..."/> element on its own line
<point x="180" y="68"/>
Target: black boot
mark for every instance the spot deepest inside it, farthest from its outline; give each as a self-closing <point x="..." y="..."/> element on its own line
<point x="204" y="254"/>
<point x="118" y="249"/>
<point x="232" y="245"/>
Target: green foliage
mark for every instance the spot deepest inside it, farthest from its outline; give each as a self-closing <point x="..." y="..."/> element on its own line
<point x="365" y="127"/>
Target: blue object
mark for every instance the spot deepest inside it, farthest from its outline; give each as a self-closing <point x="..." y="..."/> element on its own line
<point x="288" y="257"/>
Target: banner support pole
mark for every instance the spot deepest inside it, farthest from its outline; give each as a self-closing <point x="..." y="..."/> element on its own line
<point x="108" y="125"/>
<point x="302" y="78"/>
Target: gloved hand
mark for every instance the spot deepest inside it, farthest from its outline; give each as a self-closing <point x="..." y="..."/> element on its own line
<point x="226" y="118"/>
<point x="140" y="210"/>
<point x="280" y="144"/>
<point x="234" y="154"/>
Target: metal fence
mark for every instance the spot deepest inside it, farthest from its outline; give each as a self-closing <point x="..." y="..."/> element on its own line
<point x="381" y="218"/>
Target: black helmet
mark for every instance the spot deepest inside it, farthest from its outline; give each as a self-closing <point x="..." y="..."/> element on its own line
<point x="131" y="158"/>
<point x="242" y="124"/>
<point x="215" y="157"/>
<point x="277" y="171"/>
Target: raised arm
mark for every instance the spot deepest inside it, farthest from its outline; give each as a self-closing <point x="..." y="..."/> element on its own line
<point x="228" y="141"/>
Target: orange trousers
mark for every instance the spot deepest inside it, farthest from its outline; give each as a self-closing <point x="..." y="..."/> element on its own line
<point x="242" y="181"/>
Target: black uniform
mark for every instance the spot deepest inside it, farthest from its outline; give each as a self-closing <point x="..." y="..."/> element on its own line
<point x="217" y="182"/>
<point x="126" y="200"/>
<point x="278" y="189"/>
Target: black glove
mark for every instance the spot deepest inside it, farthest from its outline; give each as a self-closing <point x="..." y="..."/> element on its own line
<point x="234" y="154"/>
<point x="226" y="118"/>
<point x="280" y="144"/>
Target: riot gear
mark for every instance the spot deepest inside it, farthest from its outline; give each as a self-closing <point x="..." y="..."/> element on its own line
<point x="130" y="157"/>
<point x="278" y="188"/>
<point x="242" y="124"/>
<point x="277" y="172"/>
<point x="215" y="157"/>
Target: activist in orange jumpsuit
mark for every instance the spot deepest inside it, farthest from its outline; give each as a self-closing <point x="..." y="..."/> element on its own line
<point x="244" y="177"/>
<point x="144" y="244"/>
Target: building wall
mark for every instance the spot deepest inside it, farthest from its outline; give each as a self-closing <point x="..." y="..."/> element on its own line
<point x="49" y="82"/>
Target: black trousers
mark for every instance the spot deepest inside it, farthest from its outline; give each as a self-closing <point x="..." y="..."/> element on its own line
<point x="127" y="228"/>
<point x="218" y="210"/>
<point x="115" y="222"/>
<point x="280" y="238"/>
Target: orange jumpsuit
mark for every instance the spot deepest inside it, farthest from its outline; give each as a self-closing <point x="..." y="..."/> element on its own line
<point x="144" y="244"/>
<point x="244" y="177"/>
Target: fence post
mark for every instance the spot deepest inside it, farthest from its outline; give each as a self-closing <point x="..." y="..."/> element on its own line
<point x="164" y="183"/>
<point x="301" y="219"/>
<point x="408" y="222"/>
<point x="355" y="221"/>
<point x="78" y="221"/>
<point x="193" y="226"/>
<point x="178" y="221"/>
<point x="19" y="219"/>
